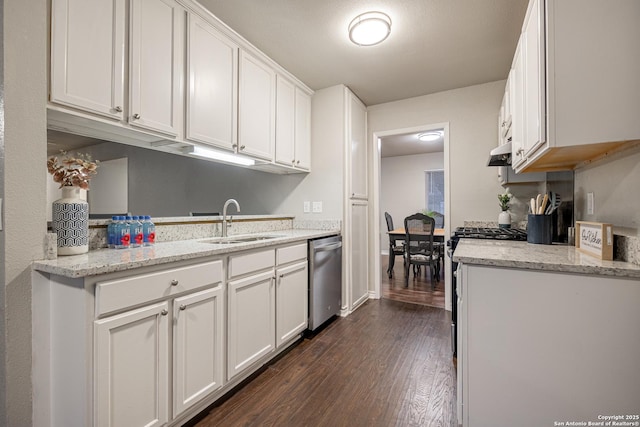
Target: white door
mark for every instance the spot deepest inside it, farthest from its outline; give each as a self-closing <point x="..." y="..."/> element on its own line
<point x="198" y="344"/>
<point x="285" y="122"/>
<point x="157" y="58"/>
<point x="303" y="130"/>
<point x="357" y="134"/>
<point x="251" y="321"/>
<point x="256" y="106"/>
<point x="359" y="253"/>
<point x="131" y="370"/>
<point x="87" y="55"/>
<point x="212" y="85"/>
<point x="291" y="302"/>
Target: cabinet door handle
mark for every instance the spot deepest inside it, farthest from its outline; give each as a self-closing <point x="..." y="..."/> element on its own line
<point x="235" y="145"/>
<point x="183" y="307"/>
<point x="298" y="162"/>
<point x="164" y="312"/>
<point x="136" y="116"/>
<point x="520" y="151"/>
<point x="118" y="109"/>
<point x="242" y="147"/>
<point x="174" y="282"/>
<point x="282" y="276"/>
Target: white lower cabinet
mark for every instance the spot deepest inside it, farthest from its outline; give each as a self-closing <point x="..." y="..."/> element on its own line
<point x="156" y="346"/>
<point x="198" y="347"/>
<point x="132" y="368"/>
<point x="291" y="302"/>
<point x="132" y="356"/>
<point x="251" y="321"/>
<point x="575" y="354"/>
<point x="292" y="293"/>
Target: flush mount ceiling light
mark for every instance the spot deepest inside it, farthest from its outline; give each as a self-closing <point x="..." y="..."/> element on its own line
<point x="219" y="155"/>
<point x="430" y="136"/>
<point x="370" y="28"/>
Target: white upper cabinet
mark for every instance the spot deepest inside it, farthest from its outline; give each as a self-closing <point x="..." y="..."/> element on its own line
<point x="169" y="75"/>
<point x="517" y="109"/>
<point x="157" y="62"/>
<point x="357" y="131"/>
<point x="303" y="130"/>
<point x="285" y="122"/>
<point x="578" y="83"/>
<point x="212" y="100"/>
<point x="87" y="55"/>
<point x="257" y="108"/>
<point x="293" y="125"/>
<point x="533" y="68"/>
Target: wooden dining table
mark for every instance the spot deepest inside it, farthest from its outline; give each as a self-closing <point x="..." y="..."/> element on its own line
<point x="399" y="233"/>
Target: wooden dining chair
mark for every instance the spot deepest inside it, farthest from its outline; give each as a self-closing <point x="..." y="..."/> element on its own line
<point x="418" y="246"/>
<point x="396" y="246"/>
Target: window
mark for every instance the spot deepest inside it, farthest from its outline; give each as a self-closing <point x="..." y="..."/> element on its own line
<point x="434" y="190"/>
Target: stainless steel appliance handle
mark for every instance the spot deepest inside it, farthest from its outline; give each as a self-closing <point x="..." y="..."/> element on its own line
<point x="328" y="247"/>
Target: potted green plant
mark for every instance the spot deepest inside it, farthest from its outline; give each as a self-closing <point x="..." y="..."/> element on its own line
<point x="504" y="219"/>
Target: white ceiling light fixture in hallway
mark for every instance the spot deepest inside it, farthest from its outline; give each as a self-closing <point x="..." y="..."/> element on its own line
<point x="430" y="136"/>
<point x="370" y="28"/>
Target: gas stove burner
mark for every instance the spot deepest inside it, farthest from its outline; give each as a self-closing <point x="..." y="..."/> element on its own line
<point x="490" y="233"/>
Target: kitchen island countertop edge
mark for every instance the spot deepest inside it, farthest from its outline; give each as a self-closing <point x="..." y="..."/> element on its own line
<point x="557" y="258"/>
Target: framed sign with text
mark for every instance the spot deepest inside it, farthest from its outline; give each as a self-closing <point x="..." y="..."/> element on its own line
<point x="595" y="238"/>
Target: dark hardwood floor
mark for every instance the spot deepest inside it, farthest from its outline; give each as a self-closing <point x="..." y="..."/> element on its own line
<point x="387" y="364"/>
<point x="419" y="290"/>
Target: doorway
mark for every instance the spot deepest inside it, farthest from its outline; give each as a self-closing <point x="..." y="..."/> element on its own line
<point x="400" y="165"/>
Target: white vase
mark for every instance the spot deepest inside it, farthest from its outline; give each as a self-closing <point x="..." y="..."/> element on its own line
<point x="70" y="221"/>
<point x="504" y="219"/>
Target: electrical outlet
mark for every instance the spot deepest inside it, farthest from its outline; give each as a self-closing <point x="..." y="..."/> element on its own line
<point x="317" y="207"/>
<point x="590" y="203"/>
<point x="307" y="207"/>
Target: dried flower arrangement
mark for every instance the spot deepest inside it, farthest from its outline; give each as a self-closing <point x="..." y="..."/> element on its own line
<point x="72" y="171"/>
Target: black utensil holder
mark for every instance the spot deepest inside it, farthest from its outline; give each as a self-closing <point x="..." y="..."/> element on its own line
<point x="540" y="229"/>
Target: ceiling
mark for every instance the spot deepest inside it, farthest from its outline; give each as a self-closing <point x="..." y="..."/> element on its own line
<point x="409" y="144"/>
<point x="435" y="45"/>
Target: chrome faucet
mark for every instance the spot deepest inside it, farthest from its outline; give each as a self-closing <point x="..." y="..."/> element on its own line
<point x="224" y="214"/>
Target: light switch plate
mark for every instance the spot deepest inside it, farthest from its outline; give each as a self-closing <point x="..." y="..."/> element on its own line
<point x="307" y="207"/>
<point x="590" y="204"/>
<point x="317" y="207"/>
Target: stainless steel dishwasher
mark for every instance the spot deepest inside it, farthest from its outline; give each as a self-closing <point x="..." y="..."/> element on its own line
<point x="325" y="279"/>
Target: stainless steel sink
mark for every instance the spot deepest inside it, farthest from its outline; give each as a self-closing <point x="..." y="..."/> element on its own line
<point x="239" y="239"/>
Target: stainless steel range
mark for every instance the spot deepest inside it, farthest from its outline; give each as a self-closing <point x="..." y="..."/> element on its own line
<point x="473" y="233"/>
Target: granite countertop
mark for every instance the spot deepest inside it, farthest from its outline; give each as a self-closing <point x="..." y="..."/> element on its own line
<point x="561" y="258"/>
<point x="104" y="261"/>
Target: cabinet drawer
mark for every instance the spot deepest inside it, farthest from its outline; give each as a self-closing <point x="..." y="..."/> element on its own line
<point x="249" y="263"/>
<point x="122" y="293"/>
<point x="291" y="253"/>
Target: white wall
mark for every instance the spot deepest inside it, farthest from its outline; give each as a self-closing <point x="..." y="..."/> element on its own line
<point x="614" y="184"/>
<point x="472" y="116"/>
<point x="325" y="183"/>
<point x="25" y="67"/>
<point x="402" y="188"/>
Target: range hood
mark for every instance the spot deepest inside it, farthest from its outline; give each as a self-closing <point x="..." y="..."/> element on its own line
<point x="501" y="155"/>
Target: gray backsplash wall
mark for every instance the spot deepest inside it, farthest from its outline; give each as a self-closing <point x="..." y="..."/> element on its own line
<point x="162" y="184"/>
<point x="615" y="184"/>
